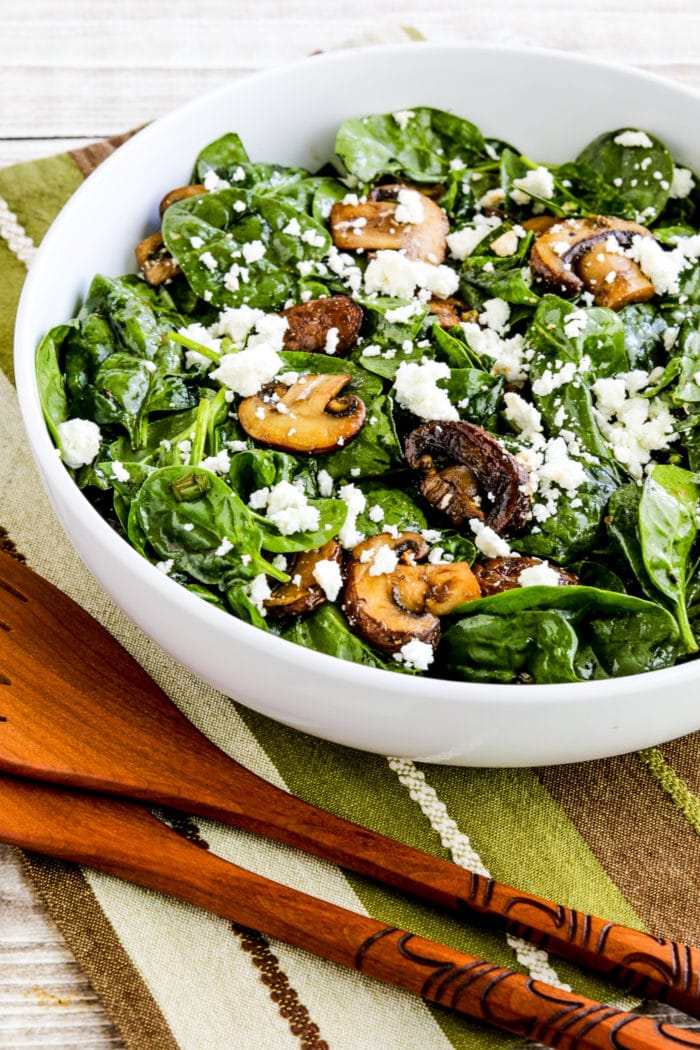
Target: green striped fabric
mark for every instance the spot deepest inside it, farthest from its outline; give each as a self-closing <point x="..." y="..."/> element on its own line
<point x="617" y="838"/>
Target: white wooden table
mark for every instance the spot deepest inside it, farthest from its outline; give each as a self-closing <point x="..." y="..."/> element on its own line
<point x="72" y="72"/>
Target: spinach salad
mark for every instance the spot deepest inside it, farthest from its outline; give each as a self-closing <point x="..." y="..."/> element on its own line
<point x="434" y="408"/>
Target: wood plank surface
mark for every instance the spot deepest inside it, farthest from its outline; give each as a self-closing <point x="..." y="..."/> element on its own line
<point x="73" y="72"/>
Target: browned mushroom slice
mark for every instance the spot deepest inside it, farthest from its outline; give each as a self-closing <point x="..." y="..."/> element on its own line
<point x="302" y="594"/>
<point x="539" y="224"/>
<point x="502" y="499"/>
<point x="155" y="261"/>
<point x="307" y="416"/>
<point x="558" y="255"/>
<point x="329" y="325"/>
<point x="195" y="189"/>
<point x="390" y="609"/>
<point x="373" y="225"/>
<point x="503" y="574"/>
<point x="450" y="312"/>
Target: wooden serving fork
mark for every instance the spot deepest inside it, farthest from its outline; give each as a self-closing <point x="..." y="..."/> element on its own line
<point x="76" y="709"/>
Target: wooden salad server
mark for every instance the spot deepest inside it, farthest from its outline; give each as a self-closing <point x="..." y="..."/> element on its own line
<point x="77" y="709"/>
<point x="124" y="839"/>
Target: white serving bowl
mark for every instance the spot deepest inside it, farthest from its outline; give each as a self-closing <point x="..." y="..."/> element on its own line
<point x="550" y="105"/>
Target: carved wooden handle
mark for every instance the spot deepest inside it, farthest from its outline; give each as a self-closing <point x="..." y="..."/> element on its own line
<point x="123" y="839"/>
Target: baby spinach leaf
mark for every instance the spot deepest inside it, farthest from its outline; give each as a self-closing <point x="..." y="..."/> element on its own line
<point x="192" y="517"/>
<point x="476" y="394"/>
<point x="51" y="383"/>
<point x="642" y="173"/>
<point x="238" y="247"/>
<point x="668" y="511"/>
<point x="326" y="631"/>
<point x="396" y="505"/>
<point x="376" y="449"/>
<point x="644" y="329"/>
<point x="418" y="144"/>
<point x="552" y="632"/>
<point x="223" y="156"/>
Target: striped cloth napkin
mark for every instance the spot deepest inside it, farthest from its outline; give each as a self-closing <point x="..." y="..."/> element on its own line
<point x="618" y="838"/>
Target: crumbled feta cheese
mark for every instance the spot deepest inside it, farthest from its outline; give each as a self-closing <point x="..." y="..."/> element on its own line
<point x="197" y="243"/>
<point x="325" y="483"/>
<point x="224" y="547"/>
<point x="550" y="381"/>
<point x="235" y="277"/>
<point x="355" y="501"/>
<point x="329" y="578"/>
<point x="508" y="355"/>
<point x="539" y="576"/>
<point x="293" y="228"/>
<point x="208" y="260"/>
<point x="234" y="322"/>
<point x="287" y="507"/>
<point x="119" y="472"/>
<point x="332" y="337"/>
<point x="523" y="415"/>
<point x="376" y="514"/>
<point x="488" y="541"/>
<point x="258" y="592"/>
<point x="415" y="654"/>
<point x="80" y="441"/>
<point x="212" y="182"/>
<point x="682" y="183"/>
<point x="538" y="183"/>
<point x="410" y="207"/>
<point x="661" y="267"/>
<point x="165" y="566"/>
<point x="402" y="117"/>
<point x="495" y="315"/>
<point x="462" y="242"/>
<point x="491" y="199"/>
<point x="384" y="561"/>
<point x="404" y="314"/>
<point x="416" y="389"/>
<point x="391" y="273"/>
<point x="559" y="468"/>
<point x="253" y="251"/>
<point x="218" y="464"/>
<point x="634" y="138"/>
<point x="246" y="371"/>
<point x="506" y="244"/>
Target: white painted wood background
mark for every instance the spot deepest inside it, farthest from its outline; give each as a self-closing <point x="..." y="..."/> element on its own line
<point x="72" y="72"/>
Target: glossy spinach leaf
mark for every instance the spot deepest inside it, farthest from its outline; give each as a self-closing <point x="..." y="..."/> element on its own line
<point x="642" y="173"/>
<point x="326" y="631"/>
<point x="419" y="144"/>
<point x="668" y="511"/>
<point x="558" y="634"/>
<point x="397" y="508"/>
<point x="50" y="379"/>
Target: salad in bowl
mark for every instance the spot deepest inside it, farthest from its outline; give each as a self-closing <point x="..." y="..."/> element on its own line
<point x="432" y="408"/>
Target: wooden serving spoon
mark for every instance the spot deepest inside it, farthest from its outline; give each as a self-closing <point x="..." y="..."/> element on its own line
<point x="124" y="839"/>
<point x="77" y="709"/>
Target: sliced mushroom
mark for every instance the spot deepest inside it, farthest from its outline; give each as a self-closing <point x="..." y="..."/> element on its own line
<point x="302" y="594"/>
<point x="390" y="609"/>
<point x="539" y="224"/>
<point x="311" y="324"/>
<point x="155" y="261"/>
<point x="502" y="499"/>
<point x="182" y="193"/>
<point x="450" y="312"/>
<point x="307" y="416"/>
<point x="503" y="574"/>
<point x="570" y="256"/>
<point x="372" y="225"/>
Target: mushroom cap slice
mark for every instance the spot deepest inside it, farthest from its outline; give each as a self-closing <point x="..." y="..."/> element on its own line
<point x="454" y="490"/>
<point x="557" y="254"/>
<point x="307" y="416"/>
<point x="296" y="599"/>
<point x="390" y="609"/>
<point x="310" y="323"/>
<point x="181" y="193"/>
<point x="503" y="484"/>
<point x="155" y="261"/>
<point x="502" y="574"/>
<point x="614" y="280"/>
<point x="450" y="312"/>
<point x="372" y="225"/>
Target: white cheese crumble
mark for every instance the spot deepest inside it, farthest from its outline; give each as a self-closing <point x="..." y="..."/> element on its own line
<point x="402" y="117"/>
<point x="523" y="415"/>
<point x="384" y="560"/>
<point x="391" y="273"/>
<point x="488" y="541"/>
<point x="536" y="183"/>
<point x="325" y="483"/>
<point x="212" y="182"/>
<point x="224" y="547"/>
<point x="80" y="441"/>
<point x="415" y="654"/>
<point x="286" y="507"/>
<point x="246" y="371"/>
<point x="682" y="183"/>
<point x="253" y="251"/>
<point x="495" y="315"/>
<point x="355" y="501"/>
<point x="258" y="591"/>
<point x="633" y="138"/>
<point x="332" y="338"/>
<point x="218" y="464"/>
<point x="416" y="389"/>
<point x="410" y="207"/>
<point x="208" y="260"/>
<point x="329" y="578"/>
<point x="662" y="268"/>
<point x="506" y="244"/>
<point x="293" y="228"/>
<point x="235" y="322"/>
<point x="462" y="242"/>
<point x="633" y="426"/>
<point x="539" y="576"/>
<point x="508" y="355"/>
<point x="119" y="471"/>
